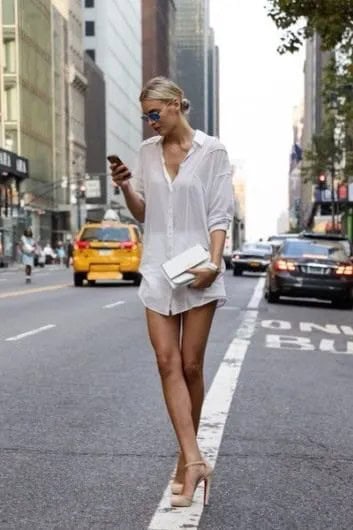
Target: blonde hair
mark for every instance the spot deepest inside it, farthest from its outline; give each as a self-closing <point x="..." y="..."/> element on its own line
<point x="164" y="89"/>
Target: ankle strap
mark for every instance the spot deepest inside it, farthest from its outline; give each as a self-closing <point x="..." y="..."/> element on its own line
<point x="197" y="463"/>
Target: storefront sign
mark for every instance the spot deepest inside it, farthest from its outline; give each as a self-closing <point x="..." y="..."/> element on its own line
<point x="93" y="188"/>
<point x="12" y="165"/>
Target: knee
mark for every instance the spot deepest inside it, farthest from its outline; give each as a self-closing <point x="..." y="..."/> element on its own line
<point x="192" y="371"/>
<point x="169" y="365"/>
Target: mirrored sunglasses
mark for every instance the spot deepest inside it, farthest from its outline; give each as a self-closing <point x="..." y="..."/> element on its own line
<point x="152" y="116"/>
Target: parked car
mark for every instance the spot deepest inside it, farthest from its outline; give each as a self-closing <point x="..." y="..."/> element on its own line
<point x="315" y="268"/>
<point x="252" y="257"/>
<point x="108" y="250"/>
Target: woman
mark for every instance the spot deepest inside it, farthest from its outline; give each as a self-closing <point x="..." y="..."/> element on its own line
<point x="182" y="191"/>
<point x="28" y="246"/>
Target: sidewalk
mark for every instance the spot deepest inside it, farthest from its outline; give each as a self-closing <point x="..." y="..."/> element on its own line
<point x="13" y="267"/>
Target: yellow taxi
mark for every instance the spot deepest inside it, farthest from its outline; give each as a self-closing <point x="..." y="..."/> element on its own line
<point x="107" y="250"/>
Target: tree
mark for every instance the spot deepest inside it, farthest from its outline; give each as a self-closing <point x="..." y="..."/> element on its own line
<point x="300" y="19"/>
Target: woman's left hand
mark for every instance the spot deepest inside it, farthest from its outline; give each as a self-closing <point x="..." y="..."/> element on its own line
<point x="203" y="278"/>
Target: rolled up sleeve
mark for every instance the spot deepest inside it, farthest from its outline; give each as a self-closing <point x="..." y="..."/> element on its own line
<point x="220" y="194"/>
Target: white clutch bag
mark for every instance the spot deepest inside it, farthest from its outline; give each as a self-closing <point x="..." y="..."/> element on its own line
<point x="175" y="269"/>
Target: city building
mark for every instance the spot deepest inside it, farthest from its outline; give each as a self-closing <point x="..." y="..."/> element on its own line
<point x="158" y="42"/>
<point x="69" y="87"/>
<point x="42" y="120"/>
<point x="295" y="178"/>
<point x="239" y="220"/>
<point x="113" y="39"/>
<point x="213" y="85"/>
<point x="315" y="62"/>
<point x="26" y="120"/>
<point x="192" y="45"/>
<point x="95" y="127"/>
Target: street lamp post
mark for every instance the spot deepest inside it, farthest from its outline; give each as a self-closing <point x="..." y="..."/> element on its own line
<point x="80" y="195"/>
<point x="333" y="176"/>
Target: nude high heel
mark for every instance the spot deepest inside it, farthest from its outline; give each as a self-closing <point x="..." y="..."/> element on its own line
<point x="183" y="501"/>
<point x="176" y="487"/>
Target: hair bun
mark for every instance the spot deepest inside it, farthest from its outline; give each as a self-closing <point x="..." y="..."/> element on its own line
<point x="185" y="105"/>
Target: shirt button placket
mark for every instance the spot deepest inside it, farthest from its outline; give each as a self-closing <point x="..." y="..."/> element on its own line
<point x="170" y="227"/>
<point x="170" y="234"/>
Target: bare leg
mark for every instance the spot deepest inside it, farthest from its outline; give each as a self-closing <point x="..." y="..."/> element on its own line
<point x="164" y="333"/>
<point x="196" y="327"/>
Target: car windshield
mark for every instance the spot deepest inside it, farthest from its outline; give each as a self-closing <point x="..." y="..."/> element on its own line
<point x="259" y="247"/>
<point x="106" y="234"/>
<point x="313" y="249"/>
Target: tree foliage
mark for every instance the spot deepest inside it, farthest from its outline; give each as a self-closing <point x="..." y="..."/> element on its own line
<point x="300" y="19"/>
<point x="332" y="148"/>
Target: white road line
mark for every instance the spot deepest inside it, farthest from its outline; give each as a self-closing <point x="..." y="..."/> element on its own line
<point x="32" y="332"/>
<point x="214" y="415"/>
<point x="109" y="306"/>
<point x="4" y="279"/>
<point x="258" y="294"/>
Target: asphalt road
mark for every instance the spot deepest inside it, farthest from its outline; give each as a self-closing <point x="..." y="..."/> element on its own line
<point x="85" y="442"/>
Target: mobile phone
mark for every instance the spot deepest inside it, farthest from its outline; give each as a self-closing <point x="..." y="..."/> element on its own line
<point x="114" y="159"/>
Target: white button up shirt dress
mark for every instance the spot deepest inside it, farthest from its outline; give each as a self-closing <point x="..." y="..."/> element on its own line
<point x="179" y="214"/>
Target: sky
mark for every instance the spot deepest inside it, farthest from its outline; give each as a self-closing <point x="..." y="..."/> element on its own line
<point x="258" y="91"/>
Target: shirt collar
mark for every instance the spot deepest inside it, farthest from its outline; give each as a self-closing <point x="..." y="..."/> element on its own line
<point x="199" y="138"/>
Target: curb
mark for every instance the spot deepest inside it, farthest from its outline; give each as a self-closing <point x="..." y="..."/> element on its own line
<point x="14" y="268"/>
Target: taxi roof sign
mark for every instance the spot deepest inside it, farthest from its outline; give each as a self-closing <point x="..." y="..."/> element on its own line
<point x="111" y="215"/>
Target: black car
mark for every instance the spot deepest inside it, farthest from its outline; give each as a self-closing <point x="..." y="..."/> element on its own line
<point x="314" y="268"/>
<point x="252" y="257"/>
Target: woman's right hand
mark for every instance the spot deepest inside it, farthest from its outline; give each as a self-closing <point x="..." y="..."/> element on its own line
<point x="120" y="175"/>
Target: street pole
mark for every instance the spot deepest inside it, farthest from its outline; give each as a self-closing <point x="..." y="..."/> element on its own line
<point x="333" y="196"/>
<point x="78" y="202"/>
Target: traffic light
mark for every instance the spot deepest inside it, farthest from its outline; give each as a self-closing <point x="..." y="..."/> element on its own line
<point x="321" y="182"/>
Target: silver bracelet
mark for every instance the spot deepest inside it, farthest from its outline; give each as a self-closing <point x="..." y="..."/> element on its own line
<point x="212" y="266"/>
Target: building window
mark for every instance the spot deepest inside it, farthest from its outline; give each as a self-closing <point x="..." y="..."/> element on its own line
<point x="9" y="56"/>
<point x="89" y="3"/>
<point x="11" y="104"/>
<point x="8" y="12"/>
<point x="89" y="28"/>
<point x="92" y="54"/>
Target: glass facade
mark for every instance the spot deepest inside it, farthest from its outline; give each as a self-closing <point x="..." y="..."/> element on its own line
<point x="35" y="86"/>
<point x="192" y="23"/>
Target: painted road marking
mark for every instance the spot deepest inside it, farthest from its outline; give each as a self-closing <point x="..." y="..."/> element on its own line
<point x="214" y="415"/>
<point x="258" y="294"/>
<point x="109" y="306"/>
<point x="36" y="290"/>
<point x="31" y="332"/>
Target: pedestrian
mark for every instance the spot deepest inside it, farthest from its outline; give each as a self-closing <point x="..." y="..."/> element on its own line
<point x="69" y="251"/>
<point x="60" y="252"/>
<point x="28" y="247"/>
<point x="182" y="192"/>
